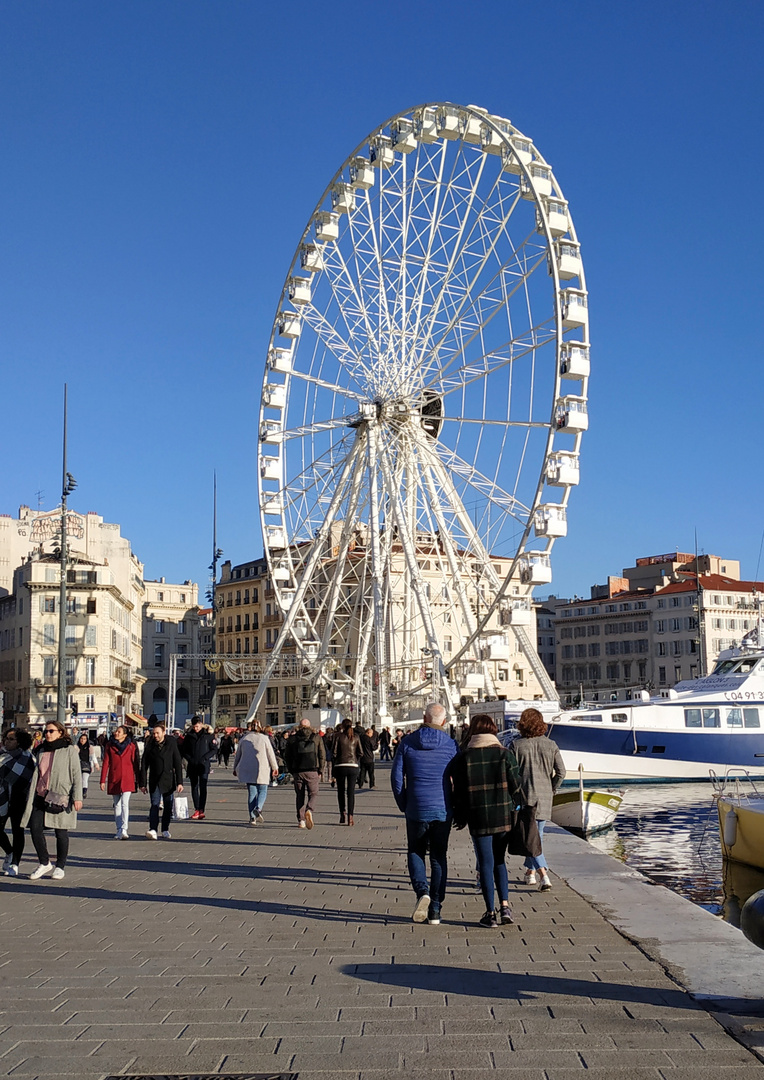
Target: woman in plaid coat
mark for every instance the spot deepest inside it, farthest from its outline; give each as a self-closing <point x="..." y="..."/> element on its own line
<point x="486" y="787"/>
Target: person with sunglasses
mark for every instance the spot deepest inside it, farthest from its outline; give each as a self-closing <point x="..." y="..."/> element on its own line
<point x="55" y="797"/>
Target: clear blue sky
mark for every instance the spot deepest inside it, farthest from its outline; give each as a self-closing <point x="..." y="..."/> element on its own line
<point x="160" y="161"/>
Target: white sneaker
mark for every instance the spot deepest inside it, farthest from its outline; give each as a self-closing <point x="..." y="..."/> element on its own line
<point x="124" y="836"/>
<point x="166" y="835"/>
<point x="259" y="818"/>
<point x="41" y="871"/>
<point x="301" y="825"/>
<point x="253" y="821"/>
<point x="530" y="877"/>
<point x="57" y="874"/>
<point x="12" y="871"/>
<point x="421" y="909"/>
<point x="151" y="834"/>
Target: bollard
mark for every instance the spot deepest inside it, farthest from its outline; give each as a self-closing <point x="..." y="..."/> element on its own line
<point x="752" y="918"/>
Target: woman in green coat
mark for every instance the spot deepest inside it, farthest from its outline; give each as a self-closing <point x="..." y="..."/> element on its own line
<point x="485" y="790"/>
<point x="57" y="782"/>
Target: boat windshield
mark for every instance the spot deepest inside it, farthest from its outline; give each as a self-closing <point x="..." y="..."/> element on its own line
<point x="737" y="666"/>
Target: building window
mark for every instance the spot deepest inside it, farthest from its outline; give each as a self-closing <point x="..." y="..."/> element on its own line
<point x="90" y="670"/>
<point x="160" y="596"/>
<point x="182" y="598"/>
<point x="159" y="656"/>
<point x="612" y="671"/>
<point x="272" y="695"/>
<point x="90" y="701"/>
<point x="290" y="695"/>
<point x="71" y="635"/>
<point x="71" y="665"/>
<point x="48" y="603"/>
<point x="225" y="699"/>
<point x="159" y="626"/>
<point x="90" y="607"/>
<point x="91" y="635"/>
<point x="240" y="699"/>
<point x="49" y="634"/>
<point x="181" y="627"/>
<point x="49" y="667"/>
<point x="182" y="649"/>
<point x="662" y="676"/>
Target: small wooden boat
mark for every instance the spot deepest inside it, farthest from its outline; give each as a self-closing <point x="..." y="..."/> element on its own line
<point x="586" y="811"/>
<point x="740" y="807"/>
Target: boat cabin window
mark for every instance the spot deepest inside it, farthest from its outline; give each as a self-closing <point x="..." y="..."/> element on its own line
<point x="619" y="718"/>
<point x="701" y="718"/>
<point x="739" y="718"/>
<point x="737" y="666"/>
<point x="588" y="718"/>
<point x="745" y="667"/>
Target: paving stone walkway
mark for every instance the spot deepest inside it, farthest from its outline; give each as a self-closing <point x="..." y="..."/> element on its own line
<point x="239" y="950"/>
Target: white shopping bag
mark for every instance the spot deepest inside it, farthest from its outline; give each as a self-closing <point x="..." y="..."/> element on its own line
<point x="179" y="807"/>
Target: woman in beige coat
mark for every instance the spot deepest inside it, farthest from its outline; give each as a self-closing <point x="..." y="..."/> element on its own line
<point x="57" y="782"/>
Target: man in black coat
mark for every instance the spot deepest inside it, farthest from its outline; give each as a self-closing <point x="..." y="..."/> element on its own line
<point x="161" y="775"/>
<point x="368" y="746"/>
<point x="199" y="748"/>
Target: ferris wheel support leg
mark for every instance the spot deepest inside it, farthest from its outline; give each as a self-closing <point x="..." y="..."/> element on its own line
<point x="315" y="555"/>
<point x="344" y="544"/>
<point x="417" y="585"/>
<point x="380" y="649"/>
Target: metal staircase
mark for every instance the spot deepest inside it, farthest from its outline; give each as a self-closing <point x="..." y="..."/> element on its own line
<point x="538" y="669"/>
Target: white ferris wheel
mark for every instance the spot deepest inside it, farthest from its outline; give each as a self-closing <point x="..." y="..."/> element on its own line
<point x="422" y="407"/>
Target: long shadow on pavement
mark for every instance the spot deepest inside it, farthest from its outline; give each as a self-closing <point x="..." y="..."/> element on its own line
<point x="520" y="986"/>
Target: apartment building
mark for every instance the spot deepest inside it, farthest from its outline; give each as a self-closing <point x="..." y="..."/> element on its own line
<point x="112" y="636"/>
<point x="664" y="621"/>
<point x="171" y="626"/>
<point x="248" y="621"/>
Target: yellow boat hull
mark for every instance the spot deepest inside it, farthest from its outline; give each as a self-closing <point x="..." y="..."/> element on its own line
<point x="742" y="837"/>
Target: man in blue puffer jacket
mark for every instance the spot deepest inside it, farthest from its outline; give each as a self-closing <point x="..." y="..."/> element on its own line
<point x="423" y="794"/>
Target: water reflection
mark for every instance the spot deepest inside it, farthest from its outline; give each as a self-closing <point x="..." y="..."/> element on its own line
<point x="670" y="833"/>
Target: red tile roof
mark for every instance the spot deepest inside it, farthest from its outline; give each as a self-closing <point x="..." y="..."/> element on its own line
<point x="710" y="583"/>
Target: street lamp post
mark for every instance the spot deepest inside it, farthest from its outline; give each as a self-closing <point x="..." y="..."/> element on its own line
<point x="68" y="484"/>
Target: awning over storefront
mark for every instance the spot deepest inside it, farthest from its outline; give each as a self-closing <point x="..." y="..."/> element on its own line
<point x="134" y="718"/>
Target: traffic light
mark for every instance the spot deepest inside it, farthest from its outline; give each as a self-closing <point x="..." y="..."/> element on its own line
<point x="75" y="708"/>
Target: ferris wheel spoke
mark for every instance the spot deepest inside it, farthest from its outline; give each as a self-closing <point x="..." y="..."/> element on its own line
<point x="423" y="327"/>
<point x="481" y="367"/>
<point x="457" y="565"/>
<point x="348" y="286"/>
<point x="349" y="358"/>
<point x="494" y="305"/>
<point x="479" y="259"/>
<point x="498" y="497"/>
<point x="329" y="609"/>
<point x="403" y="523"/>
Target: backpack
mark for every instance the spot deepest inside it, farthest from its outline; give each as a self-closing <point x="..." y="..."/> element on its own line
<point x="305" y="755"/>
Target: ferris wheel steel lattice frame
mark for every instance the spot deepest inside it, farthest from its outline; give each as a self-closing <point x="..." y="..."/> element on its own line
<point x="413" y="428"/>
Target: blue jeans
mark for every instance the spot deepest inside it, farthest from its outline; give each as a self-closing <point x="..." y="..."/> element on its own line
<point x="256" y="796"/>
<point x="419" y="834"/>
<point x="490" y="852"/>
<point x="536" y="863"/>
<point x="159" y="798"/>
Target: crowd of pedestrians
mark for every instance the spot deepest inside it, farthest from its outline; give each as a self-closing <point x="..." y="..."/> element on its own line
<point x="501" y="794"/>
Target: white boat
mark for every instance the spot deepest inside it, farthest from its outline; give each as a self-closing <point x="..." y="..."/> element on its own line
<point x="586" y="811"/>
<point x="716" y="722"/>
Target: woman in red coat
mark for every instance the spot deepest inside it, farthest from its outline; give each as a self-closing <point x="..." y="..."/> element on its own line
<point x="121" y="767"/>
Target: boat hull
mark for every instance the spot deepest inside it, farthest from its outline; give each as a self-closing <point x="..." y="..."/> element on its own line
<point x="748" y="844"/>
<point x="586" y="812"/>
<point x="640" y="754"/>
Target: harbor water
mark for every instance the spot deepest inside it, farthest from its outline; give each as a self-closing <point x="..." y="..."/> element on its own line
<point x="670" y="833"/>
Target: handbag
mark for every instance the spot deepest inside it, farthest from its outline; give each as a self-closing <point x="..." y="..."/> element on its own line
<point x="524" y="836"/>
<point x="179" y="807"/>
<point x="55" y="803"/>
